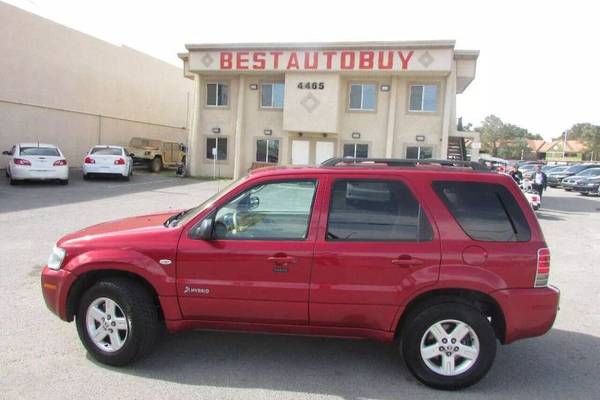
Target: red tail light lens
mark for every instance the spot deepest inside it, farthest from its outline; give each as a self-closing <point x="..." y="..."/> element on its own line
<point x="59" y="163"/>
<point x="21" y="161"/>
<point x="89" y="160"/>
<point x="543" y="268"/>
<point x="119" y="161"/>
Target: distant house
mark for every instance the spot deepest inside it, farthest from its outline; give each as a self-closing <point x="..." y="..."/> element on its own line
<point x="553" y="151"/>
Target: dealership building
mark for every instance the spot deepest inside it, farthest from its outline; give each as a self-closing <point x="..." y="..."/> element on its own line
<point x="302" y="103"/>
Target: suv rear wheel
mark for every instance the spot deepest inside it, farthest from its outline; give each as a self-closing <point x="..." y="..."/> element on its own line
<point x="117" y="321"/>
<point x="449" y="346"/>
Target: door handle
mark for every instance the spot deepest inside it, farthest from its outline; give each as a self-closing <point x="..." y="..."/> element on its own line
<point x="282" y="260"/>
<point x="407" y="261"/>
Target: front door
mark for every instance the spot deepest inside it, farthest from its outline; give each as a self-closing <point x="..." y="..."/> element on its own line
<point x="323" y="151"/>
<point x="375" y="247"/>
<point x="300" y="152"/>
<point x="256" y="267"/>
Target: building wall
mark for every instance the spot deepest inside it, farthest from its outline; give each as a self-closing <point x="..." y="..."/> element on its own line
<point x="64" y="87"/>
<point x="388" y="129"/>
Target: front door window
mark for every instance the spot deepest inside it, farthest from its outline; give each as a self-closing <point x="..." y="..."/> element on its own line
<point x="273" y="211"/>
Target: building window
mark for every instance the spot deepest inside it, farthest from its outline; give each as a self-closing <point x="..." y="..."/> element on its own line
<point x="356" y="150"/>
<point x="362" y="97"/>
<point x="217" y="94"/>
<point x="267" y="150"/>
<point x="271" y="95"/>
<point x="220" y="148"/>
<point x="419" y="152"/>
<point x="423" y="98"/>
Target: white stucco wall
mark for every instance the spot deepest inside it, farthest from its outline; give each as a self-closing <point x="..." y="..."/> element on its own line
<point x="64" y="87"/>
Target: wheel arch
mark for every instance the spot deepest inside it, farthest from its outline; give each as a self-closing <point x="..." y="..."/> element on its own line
<point x="88" y="279"/>
<point x="482" y="301"/>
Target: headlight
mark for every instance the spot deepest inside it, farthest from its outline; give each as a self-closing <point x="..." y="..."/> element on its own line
<point x="56" y="258"/>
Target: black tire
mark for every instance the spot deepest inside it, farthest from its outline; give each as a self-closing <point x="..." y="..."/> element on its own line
<point x="568" y="190"/>
<point x="584" y="193"/>
<point x="13" y="182"/>
<point x="86" y="177"/>
<point x="140" y="312"/>
<point x="156" y="165"/>
<point x="420" y="321"/>
<point x="64" y="181"/>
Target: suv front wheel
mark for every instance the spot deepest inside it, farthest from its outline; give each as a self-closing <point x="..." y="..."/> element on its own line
<point x="117" y="321"/>
<point x="449" y="346"/>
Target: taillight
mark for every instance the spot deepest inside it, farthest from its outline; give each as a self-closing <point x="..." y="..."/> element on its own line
<point x="543" y="268"/>
<point x="21" y="161"/>
<point x="59" y="163"/>
<point x="119" y="161"/>
<point x="89" y="160"/>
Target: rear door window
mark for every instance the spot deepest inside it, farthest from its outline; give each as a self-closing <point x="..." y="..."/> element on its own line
<point x="376" y="210"/>
<point x="485" y="211"/>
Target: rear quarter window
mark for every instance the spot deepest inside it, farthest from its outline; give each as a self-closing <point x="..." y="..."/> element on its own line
<point x="485" y="211"/>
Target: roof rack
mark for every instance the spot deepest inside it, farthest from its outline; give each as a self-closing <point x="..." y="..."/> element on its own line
<point x="400" y="162"/>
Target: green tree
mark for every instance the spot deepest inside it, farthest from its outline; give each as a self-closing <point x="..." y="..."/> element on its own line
<point x="504" y="140"/>
<point x="588" y="134"/>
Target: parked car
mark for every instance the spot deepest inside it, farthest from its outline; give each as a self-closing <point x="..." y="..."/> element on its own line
<point x="36" y="161"/>
<point x="107" y="161"/>
<point x="555" y="178"/>
<point x="445" y="260"/>
<point x="569" y="183"/>
<point x="156" y="154"/>
<point x="589" y="184"/>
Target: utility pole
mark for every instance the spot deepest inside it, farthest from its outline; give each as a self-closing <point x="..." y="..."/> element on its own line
<point x="565" y="143"/>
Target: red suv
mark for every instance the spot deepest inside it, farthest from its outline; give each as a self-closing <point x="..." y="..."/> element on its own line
<point x="440" y="257"/>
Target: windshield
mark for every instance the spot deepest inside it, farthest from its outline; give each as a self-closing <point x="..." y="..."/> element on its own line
<point x="39" y="151"/>
<point x="574" y="169"/>
<point x="590" y="172"/>
<point x="558" y="170"/>
<point x="189" y="214"/>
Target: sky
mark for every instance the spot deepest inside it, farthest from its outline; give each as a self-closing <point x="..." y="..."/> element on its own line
<point x="539" y="66"/>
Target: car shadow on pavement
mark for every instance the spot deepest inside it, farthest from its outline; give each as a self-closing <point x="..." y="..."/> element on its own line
<point x="559" y="365"/>
<point x="38" y="194"/>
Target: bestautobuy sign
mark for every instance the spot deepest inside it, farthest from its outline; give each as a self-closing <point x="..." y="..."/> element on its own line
<point x="390" y="60"/>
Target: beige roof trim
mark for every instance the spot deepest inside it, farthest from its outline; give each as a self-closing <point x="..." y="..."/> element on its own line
<point x="466" y="54"/>
<point x="324" y="45"/>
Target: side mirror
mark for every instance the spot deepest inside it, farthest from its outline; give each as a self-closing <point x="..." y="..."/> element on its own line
<point x="203" y="231"/>
<point x="6" y="153"/>
<point x="131" y="155"/>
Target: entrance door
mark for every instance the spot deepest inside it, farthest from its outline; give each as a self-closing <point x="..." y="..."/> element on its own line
<point x="324" y="151"/>
<point x="300" y="152"/>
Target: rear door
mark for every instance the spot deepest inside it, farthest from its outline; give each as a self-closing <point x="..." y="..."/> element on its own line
<point x="375" y="247"/>
<point x="257" y="266"/>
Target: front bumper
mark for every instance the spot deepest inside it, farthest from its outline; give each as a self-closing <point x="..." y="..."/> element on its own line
<point x="528" y="312"/>
<point x="33" y="173"/>
<point x="55" y="288"/>
<point x="586" y="189"/>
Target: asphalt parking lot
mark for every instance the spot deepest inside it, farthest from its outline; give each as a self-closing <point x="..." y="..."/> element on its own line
<point x="42" y="357"/>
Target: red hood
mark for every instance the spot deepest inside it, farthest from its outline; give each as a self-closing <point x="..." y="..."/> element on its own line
<point x="119" y="227"/>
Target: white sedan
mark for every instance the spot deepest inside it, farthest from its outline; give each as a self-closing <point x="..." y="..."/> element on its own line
<point x="107" y="160"/>
<point x="36" y="161"/>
